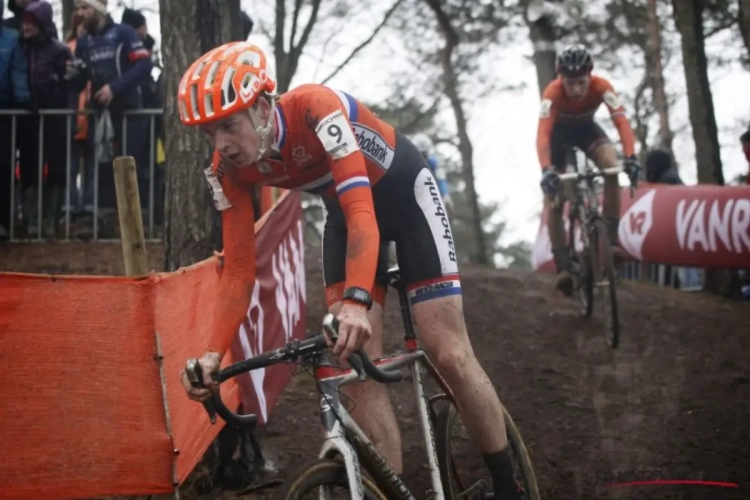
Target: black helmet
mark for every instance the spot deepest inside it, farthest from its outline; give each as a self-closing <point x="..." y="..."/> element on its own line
<point x="574" y="61"/>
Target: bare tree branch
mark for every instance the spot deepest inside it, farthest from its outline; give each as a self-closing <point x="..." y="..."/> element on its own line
<point x="295" y="18"/>
<point x="296" y="51"/>
<point x="721" y="27"/>
<point x="419" y="117"/>
<point x="364" y="43"/>
<point x="263" y="27"/>
<point x="323" y="53"/>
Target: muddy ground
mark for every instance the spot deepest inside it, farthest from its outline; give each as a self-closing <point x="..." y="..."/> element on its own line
<point x="672" y="402"/>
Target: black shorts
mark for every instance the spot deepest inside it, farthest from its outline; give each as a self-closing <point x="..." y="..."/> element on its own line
<point x="586" y="136"/>
<point x="409" y="212"/>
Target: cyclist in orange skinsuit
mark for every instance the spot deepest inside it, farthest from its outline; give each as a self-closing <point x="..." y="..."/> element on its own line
<point x="377" y="188"/>
<point x="567" y="118"/>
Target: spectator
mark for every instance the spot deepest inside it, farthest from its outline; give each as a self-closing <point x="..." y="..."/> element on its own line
<point x="14" y="94"/>
<point x="47" y="58"/>
<point x="17" y="7"/>
<point x="80" y="163"/>
<point x="660" y="168"/>
<point x="112" y="57"/>
<point x="151" y="100"/>
<point x="745" y="141"/>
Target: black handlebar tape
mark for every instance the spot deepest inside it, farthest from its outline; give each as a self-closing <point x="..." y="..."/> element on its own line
<point x="375" y="373"/>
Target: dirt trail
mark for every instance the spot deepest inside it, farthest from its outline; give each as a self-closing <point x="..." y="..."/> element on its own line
<point x="672" y="402"/>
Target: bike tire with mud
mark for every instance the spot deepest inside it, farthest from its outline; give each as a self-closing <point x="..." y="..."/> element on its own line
<point x="452" y="486"/>
<point x="581" y="263"/>
<point x="324" y="472"/>
<point x="605" y="271"/>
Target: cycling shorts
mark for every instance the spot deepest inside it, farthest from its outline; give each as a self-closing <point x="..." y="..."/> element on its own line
<point x="410" y="212"/>
<point x="586" y="136"/>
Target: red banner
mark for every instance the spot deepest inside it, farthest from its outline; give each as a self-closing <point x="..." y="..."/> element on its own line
<point x="277" y="311"/>
<point x="700" y="226"/>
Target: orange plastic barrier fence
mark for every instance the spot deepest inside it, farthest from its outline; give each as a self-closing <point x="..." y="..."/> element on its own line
<point x="92" y="402"/>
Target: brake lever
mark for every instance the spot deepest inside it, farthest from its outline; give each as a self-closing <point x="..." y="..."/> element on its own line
<point x="355" y="361"/>
<point x="195" y="376"/>
<point x="331" y="327"/>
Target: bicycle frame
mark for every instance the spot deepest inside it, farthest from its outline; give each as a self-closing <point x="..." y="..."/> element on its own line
<point x="344" y="437"/>
<point x="584" y="202"/>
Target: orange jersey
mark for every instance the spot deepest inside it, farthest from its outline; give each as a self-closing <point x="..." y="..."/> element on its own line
<point x="327" y="143"/>
<point x="556" y="107"/>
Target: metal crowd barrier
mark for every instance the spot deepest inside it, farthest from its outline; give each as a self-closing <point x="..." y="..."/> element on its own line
<point x="684" y="278"/>
<point x="72" y="114"/>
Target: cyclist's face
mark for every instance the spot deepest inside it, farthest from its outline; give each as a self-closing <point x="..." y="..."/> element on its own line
<point x="235" y="139"/>
<point x="576" y="87"/>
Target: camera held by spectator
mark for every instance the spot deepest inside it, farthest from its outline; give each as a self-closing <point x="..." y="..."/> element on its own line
<point x="77" y="69"/>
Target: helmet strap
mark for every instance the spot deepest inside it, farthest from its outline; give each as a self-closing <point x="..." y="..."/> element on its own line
<point x="265" y="130"/>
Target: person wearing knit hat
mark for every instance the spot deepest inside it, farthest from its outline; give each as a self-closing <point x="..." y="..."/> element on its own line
<point x="112" y="57"/>
<point x="137" y="20"/>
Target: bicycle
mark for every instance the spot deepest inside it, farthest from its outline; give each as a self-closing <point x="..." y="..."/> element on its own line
<point x="594" y="266"/>
<point x="346" y="446"/>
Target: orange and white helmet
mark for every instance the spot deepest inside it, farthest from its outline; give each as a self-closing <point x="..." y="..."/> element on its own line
<point x="223" y="81"/>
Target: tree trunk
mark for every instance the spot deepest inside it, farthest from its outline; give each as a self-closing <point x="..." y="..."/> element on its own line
<point x="232" y="21"/>
<point x="655" y="71"/>
<point x="641" y="118"/>
<point x="744" y="19"/>
<point x="543" y="38"/>
<point x="467" y="166"/>
<point x="188" y="30"/>
<point x="68" y="6"/>
<point x="689" y="19"/>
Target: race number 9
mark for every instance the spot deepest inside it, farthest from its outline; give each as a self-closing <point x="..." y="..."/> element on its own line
<point x="335" y="131"/>
<point x="336" y="135"/>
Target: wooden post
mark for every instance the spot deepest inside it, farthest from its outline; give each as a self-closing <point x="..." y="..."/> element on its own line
<point x="131" y="221"/>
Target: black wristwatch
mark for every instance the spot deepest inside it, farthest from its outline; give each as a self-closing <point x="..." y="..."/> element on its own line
<point x="358" y="295"/>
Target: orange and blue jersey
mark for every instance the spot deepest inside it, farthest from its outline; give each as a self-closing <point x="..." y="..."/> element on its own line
<point x="557" y="107"/>
<point x="327" y="143"/>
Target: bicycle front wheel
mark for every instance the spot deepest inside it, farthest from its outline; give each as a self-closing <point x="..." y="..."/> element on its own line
<point x="449" y="430"/>
<point x="606" y="281"/>
<point x="325" y="478"/>
<point x="580" y="263"/>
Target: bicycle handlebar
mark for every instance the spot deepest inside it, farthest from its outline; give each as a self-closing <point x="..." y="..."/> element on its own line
<point x="591" y="174"/>
<point x="359" y="361"/>
<point x="598" y="173"/>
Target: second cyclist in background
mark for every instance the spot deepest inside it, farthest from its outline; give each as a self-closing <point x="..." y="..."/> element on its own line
<point x="568" y="106"/>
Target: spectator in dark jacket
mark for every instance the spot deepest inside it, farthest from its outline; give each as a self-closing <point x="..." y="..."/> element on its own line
<point x="151" y="100"/>
<point x="17" y="7"/>
<point x="117" y="64"/>
<point x="14" y="94"/>
<point x="660" y="168"/>
<point x="47" y="60"/>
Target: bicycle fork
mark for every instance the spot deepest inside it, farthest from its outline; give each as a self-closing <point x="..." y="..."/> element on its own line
<point x="336" y="442"/>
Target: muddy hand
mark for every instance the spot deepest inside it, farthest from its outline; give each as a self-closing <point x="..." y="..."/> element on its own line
<point x="207" y="364"/>
<point x="354" y="330"/>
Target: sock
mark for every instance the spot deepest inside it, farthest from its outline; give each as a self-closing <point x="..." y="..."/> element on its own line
<point x="501" y="470"/>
